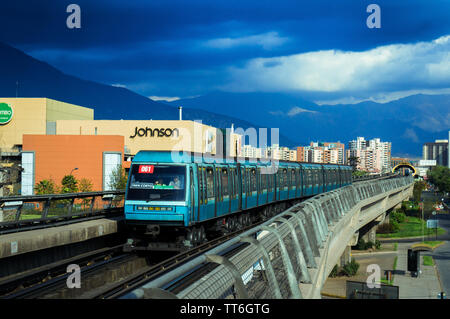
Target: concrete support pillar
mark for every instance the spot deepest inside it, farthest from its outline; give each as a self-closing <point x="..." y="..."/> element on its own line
<point x="386" y="218"/>
<point x="346" y="256"/>
<point x="370" y="231"/>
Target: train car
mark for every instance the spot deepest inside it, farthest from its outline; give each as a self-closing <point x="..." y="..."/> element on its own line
<point x="190" y="197"/>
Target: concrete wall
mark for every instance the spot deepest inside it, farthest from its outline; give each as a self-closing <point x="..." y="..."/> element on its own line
<point x="30" y="116"/>
<point x="57" y="155"/>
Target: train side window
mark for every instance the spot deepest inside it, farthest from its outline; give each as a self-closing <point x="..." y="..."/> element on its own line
<point x="231" y="182"/>
<point x="224" y="182"/>
<point x="205" y="186"/>
<point x="307" y="178"/>
<point x="289" y="178"/>
<point x="264" y="181"/>
<point x="253" y="180"/>
<point x="316" y="176"/>
<point x="259" y="180"/>
<point x="293" y="183"/>
<point x="235" y="185"/>
<point x="279" y="179"/>
<point x="209" y="182"/>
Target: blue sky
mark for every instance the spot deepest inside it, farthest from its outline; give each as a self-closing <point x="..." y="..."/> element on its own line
<point x="320" y="49"/>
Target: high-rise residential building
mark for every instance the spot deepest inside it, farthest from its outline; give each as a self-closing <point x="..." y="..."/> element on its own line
<point x="322" y="152"/>
<point x="301" y="154"/>
<point x="373" y="155"/>
<point x="437" y="151"/>
<point x="274" y="151"/>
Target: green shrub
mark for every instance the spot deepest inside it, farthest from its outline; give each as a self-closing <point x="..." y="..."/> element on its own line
<point x="385" y="229"/>
<point x="334" y="272"/>
<point x="351" y="268"/>
<point x="361" y="244"/>
<point x="377" y="244"/>
<point x="398" y="216"/>
<point x="394" y="225"/>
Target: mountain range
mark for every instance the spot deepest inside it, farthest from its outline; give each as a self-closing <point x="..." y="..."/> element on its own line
<point x="407" y="122"/>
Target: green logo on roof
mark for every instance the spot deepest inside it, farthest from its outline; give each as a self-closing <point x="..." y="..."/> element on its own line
<point x="6" y="113"/>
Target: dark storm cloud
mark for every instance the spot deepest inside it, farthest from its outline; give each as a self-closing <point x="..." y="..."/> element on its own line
<point x="189" y="44"/>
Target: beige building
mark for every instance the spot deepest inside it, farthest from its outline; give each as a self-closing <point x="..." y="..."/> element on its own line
<point x="148" y="134"/>
<point x="36" y="116"/>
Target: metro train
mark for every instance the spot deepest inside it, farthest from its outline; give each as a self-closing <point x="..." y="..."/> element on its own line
<point x="181" y="202"/>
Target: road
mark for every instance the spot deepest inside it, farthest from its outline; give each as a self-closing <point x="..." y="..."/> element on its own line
<point x="442" y="255"/>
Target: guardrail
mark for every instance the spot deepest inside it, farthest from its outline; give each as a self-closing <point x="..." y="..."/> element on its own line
<point x="372" y="177"/>
<point x="17" y="211"/>
<point x="279" y="254"/>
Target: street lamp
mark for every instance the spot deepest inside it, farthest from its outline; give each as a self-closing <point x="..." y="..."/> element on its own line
<point x="76" y="168"/>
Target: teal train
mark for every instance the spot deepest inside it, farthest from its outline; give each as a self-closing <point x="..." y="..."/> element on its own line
<point x="178" y="199"/>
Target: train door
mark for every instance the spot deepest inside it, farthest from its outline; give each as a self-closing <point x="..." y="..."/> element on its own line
<point x="192" y="194"/>
<point x="218" y="192"/>
<point x="233" y="189"/>
<point x="201" y="193"/>
<point x="246" y="186"/>
<point x="240" y="184"/>
<point x="210" y="192"/>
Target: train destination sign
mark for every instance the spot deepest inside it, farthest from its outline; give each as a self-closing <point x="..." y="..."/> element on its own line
<point x="156" y="132"/>
<point x="6" y="113"/>
<point x="146" y="169"/>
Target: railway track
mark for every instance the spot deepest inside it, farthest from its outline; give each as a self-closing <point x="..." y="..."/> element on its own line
<point x="152" y="272"/>
<point x="37" y="282"/>
<point x="120" y="272"/>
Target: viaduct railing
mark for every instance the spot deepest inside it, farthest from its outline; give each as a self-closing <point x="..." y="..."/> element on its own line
<point x="18" y="211"/>
<point x="291" y="255"/>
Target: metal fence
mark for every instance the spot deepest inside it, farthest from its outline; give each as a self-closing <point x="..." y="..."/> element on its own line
<point x="23" y="210"/>
<point x="278" y="255"/>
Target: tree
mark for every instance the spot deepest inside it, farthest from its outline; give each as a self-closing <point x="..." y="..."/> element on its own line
<point x="359" y="173"/>
<point x="417" y="191"/>
<point x="69" y="184"/>
<point x="85" y="185"/>
<point x="118" y="179"/>
<point x="440" y="177"/>
<point x="353" y="162"/>
<point x="46" y="186"/>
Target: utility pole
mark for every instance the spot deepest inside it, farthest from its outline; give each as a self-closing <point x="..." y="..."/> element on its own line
<point x="423" y="238"/>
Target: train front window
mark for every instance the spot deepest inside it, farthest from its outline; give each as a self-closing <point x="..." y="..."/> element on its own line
<point x="157" y="183"/>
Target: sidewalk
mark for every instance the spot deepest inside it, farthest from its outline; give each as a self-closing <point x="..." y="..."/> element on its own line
<point x="425" y="286"/>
